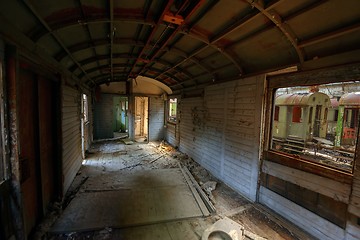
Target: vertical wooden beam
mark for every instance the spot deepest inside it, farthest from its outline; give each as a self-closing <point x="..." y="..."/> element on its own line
<point x="12" y="80"/>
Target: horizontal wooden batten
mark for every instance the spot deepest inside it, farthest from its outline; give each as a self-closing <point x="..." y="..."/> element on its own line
<point x="307" y="220"/>
<point x="307" y="166"/>
<point x="336" y="74"/>
<point x="328" y="187"/>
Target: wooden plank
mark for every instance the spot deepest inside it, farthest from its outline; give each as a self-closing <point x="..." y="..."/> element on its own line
<point x="349" y="72"/>
<point x="309" y="167"/>
<point x="195" y="194"/>
<point x="305" y="219"/>
<point x="328" y="187"/>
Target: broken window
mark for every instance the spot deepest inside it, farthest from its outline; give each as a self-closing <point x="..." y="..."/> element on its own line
<point x="172" y="109"/>
<point x="328" y="136"/>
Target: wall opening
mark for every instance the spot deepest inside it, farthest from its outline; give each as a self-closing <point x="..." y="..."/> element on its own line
<point x="121" y="120"/>
<point x="311" y="131"/>
<point x="111" y="117"/>
<point x="141" y="119"/>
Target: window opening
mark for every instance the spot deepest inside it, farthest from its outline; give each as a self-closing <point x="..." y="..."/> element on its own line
<point x="296" y="115"/>
<point x="172" y="109"/>
<point x="85" y="108"/>
<point x="276" y="113"/>
<point x="329" y="135"/>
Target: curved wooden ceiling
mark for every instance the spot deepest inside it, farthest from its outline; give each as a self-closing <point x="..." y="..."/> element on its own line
<point x="185" y="43"/>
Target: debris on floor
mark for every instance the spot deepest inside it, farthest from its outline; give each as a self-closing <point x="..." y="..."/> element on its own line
<point x="112" y="166"/>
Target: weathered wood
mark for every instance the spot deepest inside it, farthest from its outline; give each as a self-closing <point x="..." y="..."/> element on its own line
<point x="71" y="149"/>
<point x="328" y="187"/>
<point x="349" y="72"/>
<point x="309" y="167"/>
<point x="302" y="217"/>
<point x="221" y="131"/>
<point x="205" y="211"/>
<point x="156" y="118"/>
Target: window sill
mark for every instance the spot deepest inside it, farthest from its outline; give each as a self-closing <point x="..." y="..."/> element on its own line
<point x="171" y="123"/>
<point x="307" y="166"/>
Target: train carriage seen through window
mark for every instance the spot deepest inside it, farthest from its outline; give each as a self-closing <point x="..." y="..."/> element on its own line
<point x="316" y="125"/>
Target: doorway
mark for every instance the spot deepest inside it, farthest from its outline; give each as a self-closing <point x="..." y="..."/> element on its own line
<point x="141" y="119"/>
<point x="121" y="121"/>
<point x="317" y="122"/>
<point x="38" y="127"/>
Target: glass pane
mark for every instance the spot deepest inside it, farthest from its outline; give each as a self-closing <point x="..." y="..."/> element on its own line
<point x="318" y="123"/>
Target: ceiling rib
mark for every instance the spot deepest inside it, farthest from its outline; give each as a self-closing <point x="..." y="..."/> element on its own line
<point x="102" y="57"/>
<point x="175" y="31"/>
<point x="241" y="22"/>
<point x="90" y="20"/>
<point x="201" y="76"/>
<point x="124" y="75"/>
<point x="189" y="26"/>
<point x="273" y="16"/>
<point x="168" y="64"/>
<point x="98" y="42"/>
<point x="268" y="27"/>
<point x="330" y="35"/>
<point x="101" y="68"/>
<point x="151" y="35"/>
<point x="125" y="56"/>
<point x="186" y="59"/>
<point x="87" y="30"/>
<point x="39" y="18"/>
<point x="140" y="28"/>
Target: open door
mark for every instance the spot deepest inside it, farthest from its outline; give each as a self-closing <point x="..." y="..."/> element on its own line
<point x="141" y="119"/>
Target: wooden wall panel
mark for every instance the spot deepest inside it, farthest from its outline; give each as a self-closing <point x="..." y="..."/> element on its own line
<point x="71" y="134"/>
<point x="191" y="110"/>
<point x="47" y="139"/>
<point x="29" y="159"/>
<point x="171" y="134"/>
<point x="312" y="223"/>
<point x="328" y="187"/>
<point x="103" y="117"/>
<point x="156" y="118"/>
<point x="221" y="131"/>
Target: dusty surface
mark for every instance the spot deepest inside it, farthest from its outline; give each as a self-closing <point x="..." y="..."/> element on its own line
<point x="109" y="158"/>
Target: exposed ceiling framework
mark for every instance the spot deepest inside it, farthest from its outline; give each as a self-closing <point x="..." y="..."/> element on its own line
<point x="187" y="43"/>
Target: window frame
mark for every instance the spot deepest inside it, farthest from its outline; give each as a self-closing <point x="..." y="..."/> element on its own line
<point x="281" y="81"/>
<point x="169" y="109"/>
<point x="85" y="107"/>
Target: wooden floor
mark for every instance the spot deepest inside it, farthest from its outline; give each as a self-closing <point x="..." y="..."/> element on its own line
<point x="127" y="199"/>
<point x="138" y="192"/>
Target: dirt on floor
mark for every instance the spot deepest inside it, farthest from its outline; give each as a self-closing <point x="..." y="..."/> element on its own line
<point x="116" y="157"/>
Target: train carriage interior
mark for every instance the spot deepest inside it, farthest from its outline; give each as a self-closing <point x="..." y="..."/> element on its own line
<point x="180" y="119"/>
